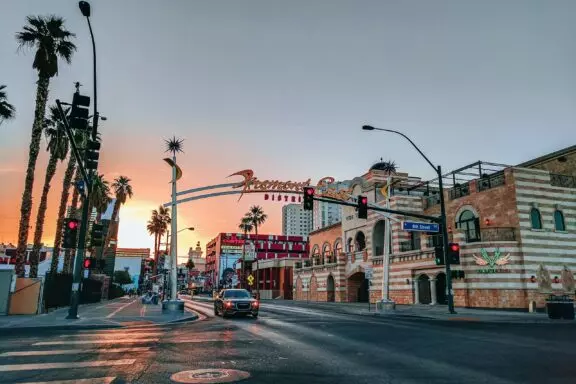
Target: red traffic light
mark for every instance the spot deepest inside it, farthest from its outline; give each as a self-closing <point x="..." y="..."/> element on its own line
<point x="87" y="263"/>
<point x="310" y="191"/>
<point x="72" y="224"/>
<point x="364" y="200"/>
<point x="454" y="247"/>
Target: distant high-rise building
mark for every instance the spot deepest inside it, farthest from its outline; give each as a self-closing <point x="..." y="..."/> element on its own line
<point x="326" y="214"/>
<point x="295" y="220"/>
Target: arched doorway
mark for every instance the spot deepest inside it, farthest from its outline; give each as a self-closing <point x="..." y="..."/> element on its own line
<point x="313" y="296"/>
<point x="378" y="238"/>
<point x="330" y="289"/>
<point x="424" y="294"/>
<point x="299" y="289"/>
<point x="441" y="288"/>
<point x="357" y="287"/>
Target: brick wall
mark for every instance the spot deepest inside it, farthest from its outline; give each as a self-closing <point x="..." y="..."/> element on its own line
<point x="567" y="167"/>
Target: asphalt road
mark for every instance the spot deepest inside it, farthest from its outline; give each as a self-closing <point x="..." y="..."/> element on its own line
<point x="293" y="345"/>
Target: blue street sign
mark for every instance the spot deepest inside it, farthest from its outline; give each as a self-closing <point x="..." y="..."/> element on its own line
<point x="423" y="227"/>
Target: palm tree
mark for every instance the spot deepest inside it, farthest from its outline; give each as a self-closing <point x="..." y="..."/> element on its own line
<point x="100" y="196"/>
<point x="7" y="110"/>
<point x="245" y="226"/>
<point x="257" y="216"/>
<point x="123" y="191"/>
<point x="51" y="41"/>
<point x="158" y="225"/>
<point x="58" y="148"/>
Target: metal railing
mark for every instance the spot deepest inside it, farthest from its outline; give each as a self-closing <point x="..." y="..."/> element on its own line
<point x="492" y="181"/>
<point x="565" y="181"/>
<point x="459" y="190"/>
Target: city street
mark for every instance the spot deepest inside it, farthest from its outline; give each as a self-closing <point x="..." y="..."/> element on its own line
<point x="288" y="344"/>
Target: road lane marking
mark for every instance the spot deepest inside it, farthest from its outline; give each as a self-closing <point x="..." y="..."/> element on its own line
<point x="95" y="380"/>
<point x="138" y="335"/>
<point x="73" y="351"/>
<point x="182" y="341"/>
<point x="73" y="364"/>
<point x="79" y="342"/>
<point x="119" y="309"/>
<point x="135" y="329"/>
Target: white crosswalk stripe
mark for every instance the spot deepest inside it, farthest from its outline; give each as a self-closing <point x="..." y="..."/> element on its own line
<point x="104" y="354"/>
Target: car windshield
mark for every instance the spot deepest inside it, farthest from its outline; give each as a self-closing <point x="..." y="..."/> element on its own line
<point x="240" y="294"/>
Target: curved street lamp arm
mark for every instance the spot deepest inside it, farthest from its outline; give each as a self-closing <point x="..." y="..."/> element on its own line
<point x="411" y="142"/>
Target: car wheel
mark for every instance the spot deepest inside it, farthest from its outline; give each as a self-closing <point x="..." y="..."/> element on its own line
<point x="216" y="311"/>
<point x="255" y="315"/>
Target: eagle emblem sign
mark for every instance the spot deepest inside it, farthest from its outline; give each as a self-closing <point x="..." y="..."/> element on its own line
<point x="491" y="262"/>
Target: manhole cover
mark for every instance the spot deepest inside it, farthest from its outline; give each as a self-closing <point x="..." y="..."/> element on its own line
<point x="209" y="376"/>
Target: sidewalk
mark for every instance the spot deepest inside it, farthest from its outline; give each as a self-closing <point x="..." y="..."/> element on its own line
<point x="117" y="313"/>
<point x="429" y="312"/>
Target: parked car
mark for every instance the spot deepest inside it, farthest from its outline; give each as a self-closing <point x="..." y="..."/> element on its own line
<point x="230" y="302"/>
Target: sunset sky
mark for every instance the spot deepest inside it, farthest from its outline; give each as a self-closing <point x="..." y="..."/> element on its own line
<point x="284" y="87"/>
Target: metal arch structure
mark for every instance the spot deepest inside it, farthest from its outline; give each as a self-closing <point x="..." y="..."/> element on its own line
<point x="252" y="184"/>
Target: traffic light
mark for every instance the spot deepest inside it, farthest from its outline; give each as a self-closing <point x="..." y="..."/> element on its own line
<point x="454" y="253"/>
<point x="71" y="227"/>
<point x="362" y="207"/>
<point x="92" y="155"/>
<point x="439" y="255"/>
<point x="97" y="235"/>
<point x="79" y="114"/>
<point x="308" y="198"/>
<point x="89" y="263"/>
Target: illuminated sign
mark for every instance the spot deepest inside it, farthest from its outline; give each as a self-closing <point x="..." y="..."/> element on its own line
<point x="324" y="188"/>
<point x="231" y="249"/>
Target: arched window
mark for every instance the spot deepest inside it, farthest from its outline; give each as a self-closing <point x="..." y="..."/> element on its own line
<point x="360" y="241"/>
<point x="470" y="224"/>
<point x="326" y="252"/>
<point x="337" y="248"/>
<point x="559" y="223"/>
<point x="378" y="238"/>
<point x="316" y="255"/>
<point x="350" y="245"/>
<point x="535" y="218"/>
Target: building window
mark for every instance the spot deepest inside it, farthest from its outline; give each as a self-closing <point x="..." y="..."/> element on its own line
<point x="415" y="240"/>
<point x="559" y="223"/>
<point x="470" y="225"/>
<point x="535" y="218"/>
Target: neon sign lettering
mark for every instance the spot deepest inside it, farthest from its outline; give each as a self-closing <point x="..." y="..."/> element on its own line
<point x="252" y="184"/>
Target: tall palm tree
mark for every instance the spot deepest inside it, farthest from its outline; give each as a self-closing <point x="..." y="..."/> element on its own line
<point x="51" y="41"/>
<point x="123" y="191"/>
<point x="246" y="227"/>
<point x="58" y="148"/>
<point x="66" y="182"/>
<point x="7" y="110"/>
<point x="100" y="196"/>
<point x="257" y="216"/>
<point x="158" y="225"/>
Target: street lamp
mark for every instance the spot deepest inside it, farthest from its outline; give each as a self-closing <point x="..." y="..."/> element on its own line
<point x="186" y="229"/>
<point x="438" y="170"/>
<point x="85" y="9"/>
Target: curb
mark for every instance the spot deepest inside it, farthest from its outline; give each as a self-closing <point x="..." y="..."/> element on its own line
<point x="64" y="327"/>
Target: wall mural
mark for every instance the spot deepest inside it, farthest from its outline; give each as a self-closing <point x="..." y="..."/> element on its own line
<point x="491" y="262"/>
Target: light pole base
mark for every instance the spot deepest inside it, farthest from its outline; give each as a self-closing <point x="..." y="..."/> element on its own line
<point x="173" y="306"/>
<point x="385" y="306"/>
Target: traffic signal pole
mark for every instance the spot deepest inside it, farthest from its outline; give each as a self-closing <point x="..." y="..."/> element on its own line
<point x="444" y="228"/>
<point x="80" y="251"/>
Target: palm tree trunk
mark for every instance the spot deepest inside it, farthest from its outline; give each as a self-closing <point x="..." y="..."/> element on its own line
<point x="35" y="255"/>
<point x="155" y="254"/>
<point x="257" y="269"/>
<point x="69" y="256"/>
<point x="62" y="212"/>
<point x="26" y="207"/>
<point x="112" y="221"/>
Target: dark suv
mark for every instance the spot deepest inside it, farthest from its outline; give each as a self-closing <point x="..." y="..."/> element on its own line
<point x="230" y="302"/>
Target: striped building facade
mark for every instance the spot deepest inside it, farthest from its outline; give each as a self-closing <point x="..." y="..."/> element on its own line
<point x="516" y="228"/>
